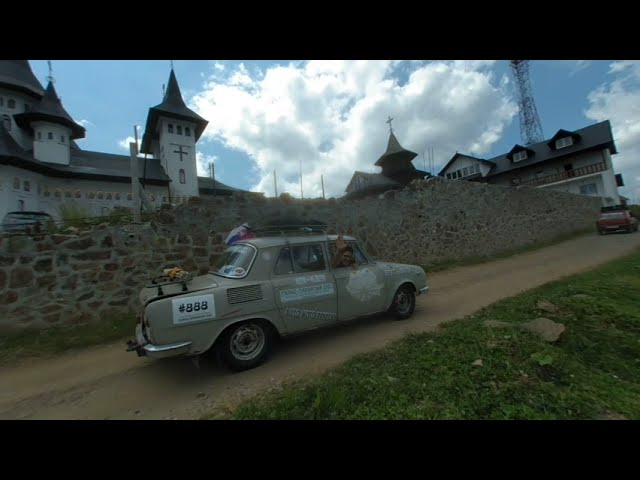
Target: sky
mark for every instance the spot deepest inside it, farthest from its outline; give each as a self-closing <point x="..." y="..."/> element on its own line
<point x="328" y="118"/>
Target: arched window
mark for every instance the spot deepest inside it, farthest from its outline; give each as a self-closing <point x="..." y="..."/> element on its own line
<point x="170" y="128"/>
<point x="109" y="196"/>
<point x="78" y="194"/>
<point x="179" y="129"/>
<point x="117" y="195"/>
<point x="6" y="120"/>
<point x="100" y="195"/>
<point x="187" y="131"/>
<point x="182" y="178"/>
<point x="26" y="186"/>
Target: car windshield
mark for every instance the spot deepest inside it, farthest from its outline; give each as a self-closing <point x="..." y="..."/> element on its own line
<point x="612" y="215"/>
<point x="235" y="261"/>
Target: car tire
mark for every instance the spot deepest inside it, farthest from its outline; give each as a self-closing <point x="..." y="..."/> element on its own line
<point x="245" y="345"/>
<point x="404" y="302"/>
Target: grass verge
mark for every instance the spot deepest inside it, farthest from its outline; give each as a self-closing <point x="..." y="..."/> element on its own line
<point x="592" y="371"/>
<point x="60" y="339"/>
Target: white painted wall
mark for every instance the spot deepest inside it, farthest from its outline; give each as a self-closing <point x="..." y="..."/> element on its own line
<point x="49" y="194"/>
<point x="168" y="146"/>
<point x="21" y="137"/>
<point x="462" y="162"/>
<point x="51" y="150"/>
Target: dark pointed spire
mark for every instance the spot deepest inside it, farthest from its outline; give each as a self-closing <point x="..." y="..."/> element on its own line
<point x="172" y="106"/>
<point x="17" y="75"/>
<point x="50" y="109"/>
<point x="395" y="152"/>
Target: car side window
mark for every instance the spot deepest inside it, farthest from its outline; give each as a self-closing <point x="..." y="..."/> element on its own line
<point x="359" y="256"/>
<point x="308" y="258"/>
<point x="284" y="264"/>
<point x="357" y="252"/>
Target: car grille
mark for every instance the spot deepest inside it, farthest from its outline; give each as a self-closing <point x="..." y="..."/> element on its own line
<point x="244" y="294"/>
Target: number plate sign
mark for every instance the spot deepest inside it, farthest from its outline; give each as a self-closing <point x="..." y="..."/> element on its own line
<point x="193" y="309"/>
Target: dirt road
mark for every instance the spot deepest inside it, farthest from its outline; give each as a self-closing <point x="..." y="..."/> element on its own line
<point x="108" y="383"/>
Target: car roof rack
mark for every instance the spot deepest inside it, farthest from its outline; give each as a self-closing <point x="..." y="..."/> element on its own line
<point x="288" y="230"/>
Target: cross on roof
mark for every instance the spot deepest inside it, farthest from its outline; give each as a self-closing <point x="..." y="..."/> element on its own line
<point x="389" y="122"/>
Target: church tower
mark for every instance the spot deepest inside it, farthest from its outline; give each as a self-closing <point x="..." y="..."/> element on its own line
<point x="52" y="128"/>
<point x="170" y="135"/>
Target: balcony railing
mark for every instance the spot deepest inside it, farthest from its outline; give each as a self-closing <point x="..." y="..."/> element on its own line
<point x="569" y="174"/>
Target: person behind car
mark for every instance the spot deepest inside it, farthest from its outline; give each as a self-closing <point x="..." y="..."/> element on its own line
<point x="344" y="256"/>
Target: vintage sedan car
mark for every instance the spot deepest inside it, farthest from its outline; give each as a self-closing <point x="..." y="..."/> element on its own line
<point x="269" y="287"/>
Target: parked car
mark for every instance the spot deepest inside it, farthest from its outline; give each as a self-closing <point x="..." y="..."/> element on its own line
<point x="616" y="220"/>
<point x="28" y="222"/>
<point x="264" y="288"/>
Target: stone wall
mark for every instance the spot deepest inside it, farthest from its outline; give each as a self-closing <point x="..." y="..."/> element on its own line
<point x="70" y="279"/>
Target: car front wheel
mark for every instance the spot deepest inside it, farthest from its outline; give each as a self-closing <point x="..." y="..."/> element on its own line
<point x="245" y="345"/>
<point x="404" y="302"/>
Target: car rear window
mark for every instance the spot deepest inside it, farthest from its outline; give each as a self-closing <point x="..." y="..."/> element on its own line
<point x="612" y="215"/>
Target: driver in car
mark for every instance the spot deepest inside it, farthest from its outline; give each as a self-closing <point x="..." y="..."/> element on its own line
<point x="344" y="256"/>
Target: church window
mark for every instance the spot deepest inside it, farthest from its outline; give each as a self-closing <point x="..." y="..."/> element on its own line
<point x="61" y="138"/>
<point x="26" y="186"/>
<point x="39" y="135"/>
<point x="182" y="178"/>
<point x="78" y="194"/>
<point x="170" y="128"/>
<point x="16" y="183"/>
<point x="21" y="205"/>
<point x="179" y="129"/>
<point x="100" y="195"/>
<point x="187" y="131"/>
<point x="109" y="196"/>
<point x="50" y="136"/>
<point x="11" y="103"/>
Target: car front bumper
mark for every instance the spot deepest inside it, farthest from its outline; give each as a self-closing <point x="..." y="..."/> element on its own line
<point x="423" y="290"/>
<point x="143" y="347"/>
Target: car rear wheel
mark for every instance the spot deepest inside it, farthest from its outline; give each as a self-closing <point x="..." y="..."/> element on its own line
<point x="245" y="345"/>
<point x="404" y="302"/>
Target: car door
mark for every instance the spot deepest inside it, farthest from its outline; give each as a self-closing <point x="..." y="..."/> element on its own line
<point x="361" y="290"/>
<point x="305" y="290"/>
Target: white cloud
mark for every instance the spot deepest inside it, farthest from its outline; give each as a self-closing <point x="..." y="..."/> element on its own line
<point x="579" y="65"/>
<point x="619" y="101"/>
<point x="331" y="115"/>
<point x="204" y="170"/>
<point x="124" y="144"/>
<point x="85" y="123"/>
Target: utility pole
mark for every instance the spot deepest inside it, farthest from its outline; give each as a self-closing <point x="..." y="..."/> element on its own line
<point x="135" y="194"/>
<point x="212" y="172"/>
<point x="301" y="194"/>
<point x="322" y="182"/>
<point x="275" y="183"/>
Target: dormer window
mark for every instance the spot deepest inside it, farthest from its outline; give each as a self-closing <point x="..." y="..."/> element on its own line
<point x="519" y="156"/>
<point x="179" y="129"/>
<point x="564" y="142"/>
<point x="170" y="128"/>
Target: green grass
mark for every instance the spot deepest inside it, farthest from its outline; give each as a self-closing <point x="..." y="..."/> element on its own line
<point x="439" y="266"/>
<point x="55" y="340"/>
<point x="591" y="372"/>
